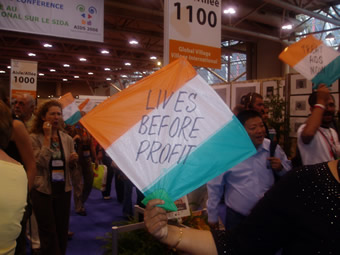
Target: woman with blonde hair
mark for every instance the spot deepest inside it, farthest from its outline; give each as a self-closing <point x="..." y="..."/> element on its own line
<point x="51" y="195"/>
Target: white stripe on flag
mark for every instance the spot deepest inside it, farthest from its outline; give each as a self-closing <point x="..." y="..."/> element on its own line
<point x="69" y="110"/>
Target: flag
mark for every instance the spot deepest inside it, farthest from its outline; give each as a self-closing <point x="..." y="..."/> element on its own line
<point x="314" y="60"/>
<point x="86" y="106"/>
<point x="169" y="133"/>
<point x="71" y="113"/>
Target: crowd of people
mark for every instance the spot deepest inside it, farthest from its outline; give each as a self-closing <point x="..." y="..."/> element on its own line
<point x="271" y="208"/>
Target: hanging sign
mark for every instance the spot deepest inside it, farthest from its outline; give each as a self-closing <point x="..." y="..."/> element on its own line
<point x="193" y="29"/>
<point x="76" y="19"/>
<point x="23" y="77"/>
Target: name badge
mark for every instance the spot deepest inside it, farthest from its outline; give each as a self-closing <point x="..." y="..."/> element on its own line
<point x="57" y="163"/>
<point x="86" y="153"/>
<point x="58" y="176"/>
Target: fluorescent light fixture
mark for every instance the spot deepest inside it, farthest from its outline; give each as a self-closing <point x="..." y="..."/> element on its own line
<point x="47" y="45"/>
<point x="105" y="52"/>
<point x="31" y="54"/>
<point x="153" y="57"/>
<point x="229" y="10"/>
<point x="52" y="70"/>
<point x="107" y="69"/>
<point x="133" y="42"/>
<point x="123" y="76"/>
<point x="90" y="73"/>
<point x="108" y="79"/>
<point x="287" y="27"/>
<point x="128" y="64"/>
<point x="2" y="71"/>
<point x="82" y="59"/>
<point x="66" y="65"/>
<point x="65" y="79"/>
<point x="41" y="74"/>
<point x="76" y="76"/>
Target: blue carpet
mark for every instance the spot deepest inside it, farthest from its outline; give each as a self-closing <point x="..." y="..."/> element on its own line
<point x="100" y="215"/>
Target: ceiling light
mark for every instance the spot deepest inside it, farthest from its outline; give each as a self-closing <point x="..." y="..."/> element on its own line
<point x="2" y="71"/>
<point x="128" y="64"/>
<point x="108" y="79"/>
<point x="107" y="69"/>
<point x="90" y="73"/>
<point x="41" y="74"/>
<point x="82" y="59"/>
<point x="287" y="27"/>
<point x="76" y="76"/>
<point x="123" y="76"/>
<point x="153" y="57"/>
<point x="38" y="95"/>
<point x="64" y="79"/>
<point x="31" y="54"/>
<point x="229" y="10"/>
<point x="9" y="67"/>
<point x="47" y="45"/>
<point x="52" y="70"/>
<point x="159" y="63"/>
<point x="105" y="52"/>
<point x="66" y="65"/>
<point x="133" y="42"/>
<point x="330" y="37"/>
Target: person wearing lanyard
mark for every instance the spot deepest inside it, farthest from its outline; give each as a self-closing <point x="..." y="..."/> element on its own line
<point x="51" y="194"/>
<point x="317" y="141"/>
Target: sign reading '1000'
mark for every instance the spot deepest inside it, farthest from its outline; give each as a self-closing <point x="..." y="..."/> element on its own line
<point x="198" y="14"/>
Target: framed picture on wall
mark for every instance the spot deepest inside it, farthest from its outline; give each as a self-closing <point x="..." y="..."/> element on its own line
<point x="299" y="105"/>
<point x="223" y="90"/>
<point x="300" y="85"/>
<point x="269" y="88"/>
<point x="282" y="89"/>
<point x="240" y="89"/>
<point x="294" y="124"/>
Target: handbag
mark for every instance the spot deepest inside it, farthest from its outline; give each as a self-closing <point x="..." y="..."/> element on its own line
<point x="100" y="175"/>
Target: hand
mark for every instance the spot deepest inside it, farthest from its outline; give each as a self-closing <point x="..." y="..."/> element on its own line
<point x="73" y="157"/>
<point x="275" y="164"/>
<point x="322" y="94"/>
<point x="47" y="128"/>
<point x="213" y="225"/>
<point x="156" y="221"/>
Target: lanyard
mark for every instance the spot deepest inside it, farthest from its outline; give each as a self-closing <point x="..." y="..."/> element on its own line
<point x="331" y="150"/>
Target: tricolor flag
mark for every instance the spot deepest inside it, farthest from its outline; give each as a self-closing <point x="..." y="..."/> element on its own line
<point x="314" y="60"/>
<point x="71" y="113"/>
<point x="169" y="133"/>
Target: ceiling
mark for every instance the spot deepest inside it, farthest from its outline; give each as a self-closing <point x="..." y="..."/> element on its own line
<point x="142" y="20"/>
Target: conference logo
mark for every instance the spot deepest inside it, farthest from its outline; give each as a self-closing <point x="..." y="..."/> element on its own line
<point x="86" y="16"/>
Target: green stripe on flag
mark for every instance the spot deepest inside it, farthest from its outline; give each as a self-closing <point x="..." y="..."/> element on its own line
<point x="329" y="74"/>
<point x="73" y="119"/>
<point x="225" y="149"/>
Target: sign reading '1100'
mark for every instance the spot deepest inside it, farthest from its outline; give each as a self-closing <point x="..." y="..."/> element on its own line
<point x="193" y="30"/>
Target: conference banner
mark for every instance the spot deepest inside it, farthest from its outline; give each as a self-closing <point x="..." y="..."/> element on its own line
<point x="23" y="77"/>
<point x="169" y="133"/>
<point x="76" y="19"/>
<point x="192" y="29"/>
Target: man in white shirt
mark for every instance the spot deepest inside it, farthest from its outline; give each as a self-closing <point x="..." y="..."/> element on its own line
<point x="317" y="141"/>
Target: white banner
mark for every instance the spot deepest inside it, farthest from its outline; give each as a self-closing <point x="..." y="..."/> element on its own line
<point x="23" y="77"/>
<point x="76" y="19"/>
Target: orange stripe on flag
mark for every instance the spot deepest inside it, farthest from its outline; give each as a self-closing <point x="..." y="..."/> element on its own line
<point x="66" y="99"/>
<point x="82" y="105"/>
<point x="132" y="103"/>
<point x="294" y="53"/>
